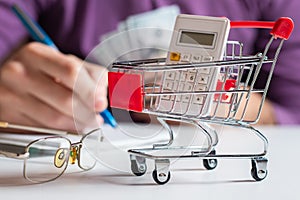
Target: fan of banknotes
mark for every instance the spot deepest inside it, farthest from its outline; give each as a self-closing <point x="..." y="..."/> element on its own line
<point x="141" y="36"/>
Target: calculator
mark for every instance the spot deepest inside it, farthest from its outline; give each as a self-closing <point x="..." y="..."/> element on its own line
<point x="195" y="39"/>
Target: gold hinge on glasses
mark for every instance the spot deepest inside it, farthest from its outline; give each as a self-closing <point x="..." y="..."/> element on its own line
<point x="73" y="154"/>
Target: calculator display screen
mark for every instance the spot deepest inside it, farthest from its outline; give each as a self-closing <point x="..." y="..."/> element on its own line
<point x="197" y="38"/>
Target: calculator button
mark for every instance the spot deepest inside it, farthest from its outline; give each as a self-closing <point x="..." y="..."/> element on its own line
<point x="169" y="85"/>
<point x="170" y="75"/>
<point x="200" y="88"/>
<point x="193" y="70"/>
<point x="186" y="98"/>
<point x="196" y="58"/>
<point x="198" y="99"/>
<point x="174" y="56"/>
<point x="188" y="87"/>
<point x="183" y="76"/>
<point x="185" y="57"/>
<point x="204" y="70"/>
<point x="203" y="79"/>
<point x="165" y="97"/>
<point x="207" y="58"/>
<point x="191" y="77"/>
<point x="172" y="97"/>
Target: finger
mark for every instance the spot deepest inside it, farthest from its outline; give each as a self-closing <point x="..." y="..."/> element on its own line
<point x="85" y="117"/>
<point x="45" y="115"/>
<point x="99" y="75"/>
<point x="38" y="85"/>
<point x="84" y="87"/>
<point x="100" y="97"/>
<point x="60" y="67"/>
<point x="9" y="109"/>
<point x="89" y="91"/>
<point x="97" y="72"/>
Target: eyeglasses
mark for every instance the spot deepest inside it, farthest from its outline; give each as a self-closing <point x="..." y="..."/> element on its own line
<point x="46" y="159"/>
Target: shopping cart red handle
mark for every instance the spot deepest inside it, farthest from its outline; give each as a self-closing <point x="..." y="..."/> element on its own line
<point x="282" y="28"/>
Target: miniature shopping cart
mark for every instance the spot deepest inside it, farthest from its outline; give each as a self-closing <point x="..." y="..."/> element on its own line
<point x="154" y="87"/>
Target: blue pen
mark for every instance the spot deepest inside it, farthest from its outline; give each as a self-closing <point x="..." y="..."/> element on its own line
<point x="40" y="35"/>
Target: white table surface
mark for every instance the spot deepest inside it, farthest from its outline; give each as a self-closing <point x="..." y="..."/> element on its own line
<point x="189" y="180"/>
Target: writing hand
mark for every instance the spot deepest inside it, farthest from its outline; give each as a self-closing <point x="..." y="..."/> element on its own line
<point x="39" y="86"/>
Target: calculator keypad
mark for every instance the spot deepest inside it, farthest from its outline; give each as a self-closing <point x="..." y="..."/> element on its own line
<point x="193" y="81"/>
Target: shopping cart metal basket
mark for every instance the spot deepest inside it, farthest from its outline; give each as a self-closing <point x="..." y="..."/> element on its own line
<point x="145" y="86"/>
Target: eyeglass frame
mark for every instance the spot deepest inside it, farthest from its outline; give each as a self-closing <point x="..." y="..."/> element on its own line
<point x="73" y="146"/>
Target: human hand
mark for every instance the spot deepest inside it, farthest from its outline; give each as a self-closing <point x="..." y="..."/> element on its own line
<point x="42" y="87"/>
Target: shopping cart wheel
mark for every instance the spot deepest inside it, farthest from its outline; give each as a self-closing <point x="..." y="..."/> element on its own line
<point x="138" y="165"/>
<point x="161" y="178"/>
<point x="210" y="164"/>
<point x="259" y="168"/>
<point x="161" y="174"/>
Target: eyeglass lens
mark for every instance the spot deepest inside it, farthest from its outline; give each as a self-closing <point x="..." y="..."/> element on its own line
<point x="89" y="146"/>
<point x="48" y="159"/>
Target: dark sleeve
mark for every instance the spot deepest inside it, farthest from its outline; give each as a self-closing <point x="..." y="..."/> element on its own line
<point x="12" y="32"/>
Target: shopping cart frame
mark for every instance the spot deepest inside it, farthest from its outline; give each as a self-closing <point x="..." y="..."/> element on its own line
<point x="281" y="29"/>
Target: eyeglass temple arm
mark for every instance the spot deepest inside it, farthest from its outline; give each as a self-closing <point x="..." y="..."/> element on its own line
<point x="13" y="151"/>
<point x="19" y="151"/>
